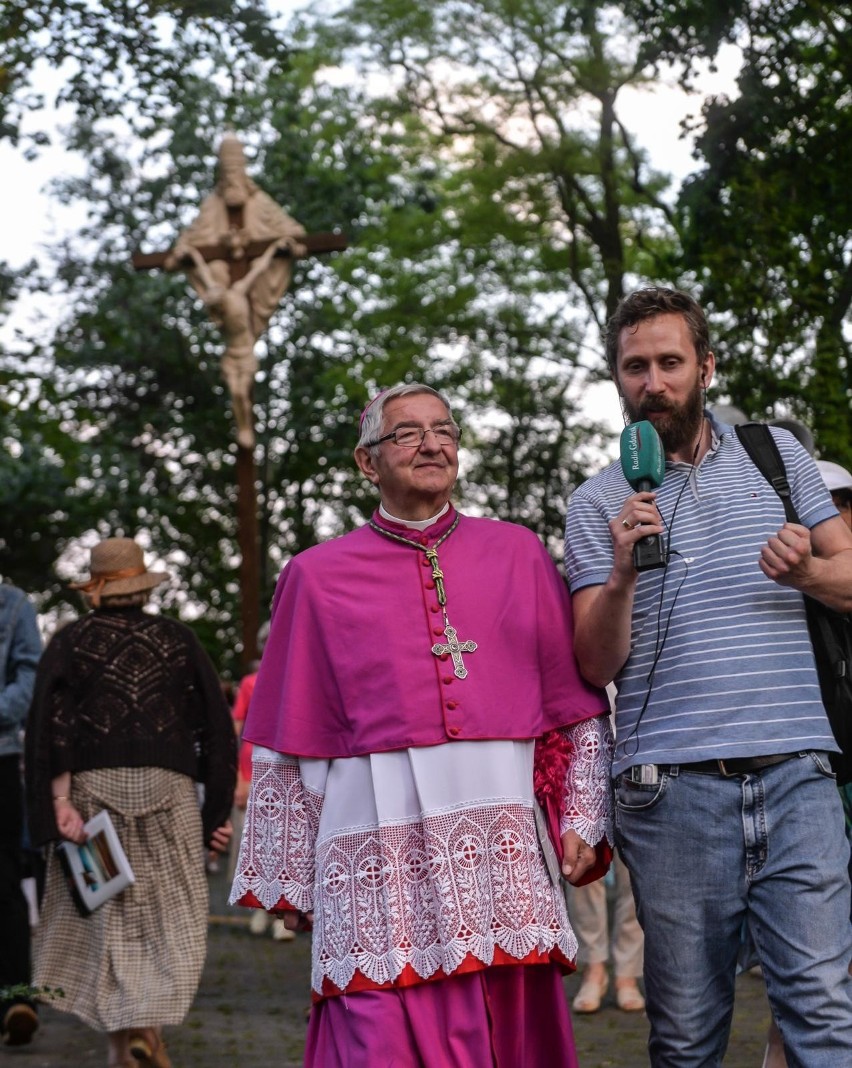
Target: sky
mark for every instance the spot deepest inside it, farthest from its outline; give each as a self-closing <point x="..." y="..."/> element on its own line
<point x="654" y="114"/>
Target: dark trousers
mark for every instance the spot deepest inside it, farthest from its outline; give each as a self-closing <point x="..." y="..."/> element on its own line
<point x="14" y="916"/>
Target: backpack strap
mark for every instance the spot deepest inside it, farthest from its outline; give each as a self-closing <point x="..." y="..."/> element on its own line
<point x="758" y="442"/>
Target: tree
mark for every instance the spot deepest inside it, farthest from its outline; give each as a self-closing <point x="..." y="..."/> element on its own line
<point x="117" y="53"/>
<point x="525" y="96"/>
<point x="130" y="382"/>
<point x="491" y="233"/>
<point x="128" y="388"/>
<point x="766" y="220"/>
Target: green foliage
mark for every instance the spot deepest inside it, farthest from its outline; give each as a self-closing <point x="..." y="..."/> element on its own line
<point x="496" y="206"/>
<point x="767" y="222"/>
<point x="27" y="991"/>
<point x="766" y="218"/>
<point x="129" y="386"/>
<point x="524" y="99"/>
<point x="117" y="54"/>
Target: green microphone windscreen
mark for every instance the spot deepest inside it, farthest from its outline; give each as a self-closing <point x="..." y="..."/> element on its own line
<point x="642" y="459"/>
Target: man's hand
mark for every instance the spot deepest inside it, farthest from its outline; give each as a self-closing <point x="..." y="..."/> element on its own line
<point x="637" y="519"/>
<point x="577" y="857"/>
<point x="297" y="921"/>
<point x="787" y="558"/>
<point x="220" y="838"/>
<point x="817" y="562"/>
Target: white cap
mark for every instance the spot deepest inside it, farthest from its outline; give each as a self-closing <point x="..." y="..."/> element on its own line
<point x="834" y="476"/>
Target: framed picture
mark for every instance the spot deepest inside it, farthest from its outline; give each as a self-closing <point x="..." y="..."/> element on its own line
<point x="98" y="869"/>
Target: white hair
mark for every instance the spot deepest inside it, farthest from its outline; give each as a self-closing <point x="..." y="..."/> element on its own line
<point x="371" y="421"/>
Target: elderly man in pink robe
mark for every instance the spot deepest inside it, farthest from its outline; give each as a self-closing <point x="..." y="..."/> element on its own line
<point x="428" y="767"/>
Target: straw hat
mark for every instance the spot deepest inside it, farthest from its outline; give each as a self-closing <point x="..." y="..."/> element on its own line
<point x="117" y="566"/>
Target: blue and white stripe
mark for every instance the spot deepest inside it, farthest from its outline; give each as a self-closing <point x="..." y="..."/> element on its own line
<point x="735" y="674"/>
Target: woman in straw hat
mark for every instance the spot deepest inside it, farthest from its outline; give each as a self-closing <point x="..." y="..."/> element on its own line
<point x="127" y="715"/>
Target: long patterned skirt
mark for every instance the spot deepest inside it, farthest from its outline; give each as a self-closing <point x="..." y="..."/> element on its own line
<point x="136" y="961"/>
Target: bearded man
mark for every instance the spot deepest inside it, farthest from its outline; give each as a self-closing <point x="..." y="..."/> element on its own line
<point x="726" y="810"/>
<point x="418" y="725"/>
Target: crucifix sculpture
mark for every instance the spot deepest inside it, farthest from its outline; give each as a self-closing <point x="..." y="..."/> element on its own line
<point x="238" y="254"/>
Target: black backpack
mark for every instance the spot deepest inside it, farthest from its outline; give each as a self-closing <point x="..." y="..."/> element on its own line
<point x="830" y="631"/>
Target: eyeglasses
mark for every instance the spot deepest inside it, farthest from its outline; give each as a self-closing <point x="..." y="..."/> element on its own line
<point x="412" y="437"/>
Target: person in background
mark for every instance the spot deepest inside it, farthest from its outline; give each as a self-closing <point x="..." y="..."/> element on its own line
<point x="261" y="921"/>
<point x="20" y="648"/>
<point x="838" y="482"/>
<point x="726" y="808"/>
<point x="428" y="763"/>
<point x="599" y="941"/>
<point x="127" y="715"/>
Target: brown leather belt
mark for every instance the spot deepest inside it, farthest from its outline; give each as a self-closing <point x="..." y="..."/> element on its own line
<point x="734" y="765"/>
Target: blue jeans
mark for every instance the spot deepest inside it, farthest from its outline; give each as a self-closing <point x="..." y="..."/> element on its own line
<point x="707" y="854"/>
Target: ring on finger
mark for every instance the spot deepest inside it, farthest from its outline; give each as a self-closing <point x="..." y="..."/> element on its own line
<point x="626" y="524"/>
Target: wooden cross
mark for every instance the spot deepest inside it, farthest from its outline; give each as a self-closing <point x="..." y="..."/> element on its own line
<point x="238" y="254"/>
<point x="454" y="648"/>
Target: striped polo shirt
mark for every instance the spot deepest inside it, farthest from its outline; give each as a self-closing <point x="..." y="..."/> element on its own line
<point x="721" y="663"/>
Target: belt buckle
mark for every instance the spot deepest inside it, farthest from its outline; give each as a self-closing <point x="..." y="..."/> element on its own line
<point x="724" y="771"/>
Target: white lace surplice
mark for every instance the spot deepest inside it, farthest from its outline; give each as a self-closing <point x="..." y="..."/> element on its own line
<point x="418" y="860"/>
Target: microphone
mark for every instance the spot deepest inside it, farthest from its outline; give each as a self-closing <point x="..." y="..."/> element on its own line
<point x="644" y="467"/>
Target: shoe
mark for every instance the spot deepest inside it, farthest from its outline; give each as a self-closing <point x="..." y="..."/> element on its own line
<point x="19" y="1025"/>
<point x="281" y="933"/>
<point x="628" y="996"/>
<point x="258" y="922"/>
<point x="147" y="1048"/>
<point x="589" y="996"/>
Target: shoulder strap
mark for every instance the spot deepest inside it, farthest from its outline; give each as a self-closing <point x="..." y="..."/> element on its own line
<point x="758" y="442"/>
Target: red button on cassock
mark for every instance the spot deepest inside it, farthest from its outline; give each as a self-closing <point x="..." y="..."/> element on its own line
<point x="447" y="679"/>
<point x="454" y="730"/>
<point x="430" y="585"/>
<point x="451" y="705"/>
<point x="437" y="630"/>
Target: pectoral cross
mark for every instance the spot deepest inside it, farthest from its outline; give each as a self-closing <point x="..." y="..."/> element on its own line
<point x="454" y="648"/>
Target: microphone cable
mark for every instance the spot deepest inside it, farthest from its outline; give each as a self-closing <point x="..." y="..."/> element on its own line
<point x="663" y="632"/>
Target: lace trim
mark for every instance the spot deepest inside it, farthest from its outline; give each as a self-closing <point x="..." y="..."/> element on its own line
<point x="276" y="853"/>
<point x="426" y="896"/>
<point x="587" y="806"/>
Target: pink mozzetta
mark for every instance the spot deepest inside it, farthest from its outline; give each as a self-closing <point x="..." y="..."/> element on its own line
<point x="348" y="668"/>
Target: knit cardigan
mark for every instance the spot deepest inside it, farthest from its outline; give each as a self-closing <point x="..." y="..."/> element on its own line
<point x="122" y="688"/>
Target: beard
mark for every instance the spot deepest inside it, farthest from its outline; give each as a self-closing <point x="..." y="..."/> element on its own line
<point x="680" y="424"/>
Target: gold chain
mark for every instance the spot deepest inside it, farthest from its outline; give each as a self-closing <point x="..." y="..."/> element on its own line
<point x="453" y="647"/>
<point x="430" y="553"/>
